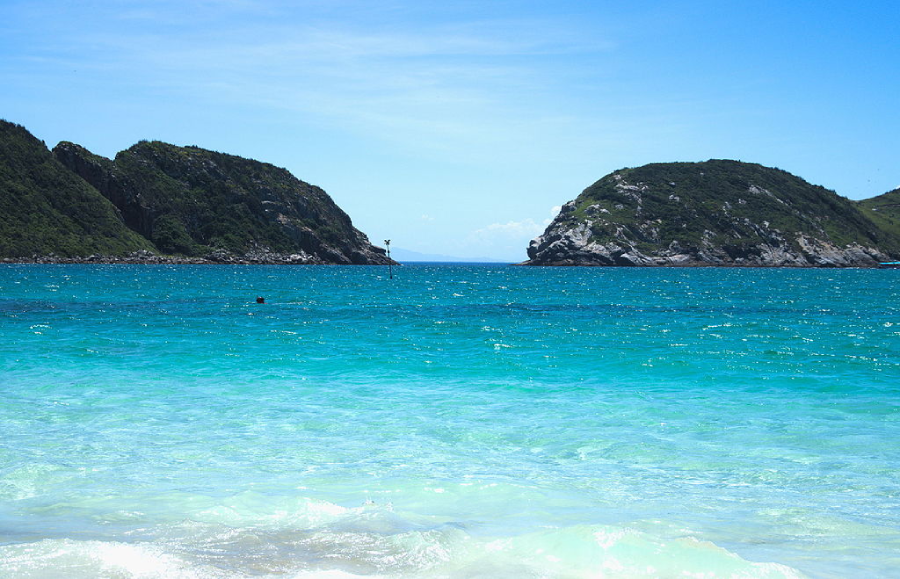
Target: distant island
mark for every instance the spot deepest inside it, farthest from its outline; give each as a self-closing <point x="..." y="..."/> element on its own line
<point x="718" y="213"/>
<point x="159" y="203"/>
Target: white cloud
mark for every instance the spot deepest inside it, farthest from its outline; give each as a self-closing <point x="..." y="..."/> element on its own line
<point x="505" y="237"/>
<point x="510" y="229"/>
<point x="509" y="239"/>
<point x="502" y="240"/>
<point x="554" y="211"/>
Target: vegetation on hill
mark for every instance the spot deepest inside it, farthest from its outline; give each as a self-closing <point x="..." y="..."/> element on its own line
<point x="716" y="212"/>
<point x="884" y="210"/>
<point x="193" y="202"/>
<point x="201" y="204"/>
<point x="46" y="209"/>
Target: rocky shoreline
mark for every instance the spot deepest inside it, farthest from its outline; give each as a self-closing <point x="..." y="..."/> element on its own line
<point x="574" y="247"/>
<point x="160" y="203"/>
<point x="717" y="213"/>
<point x="149" y="258"/>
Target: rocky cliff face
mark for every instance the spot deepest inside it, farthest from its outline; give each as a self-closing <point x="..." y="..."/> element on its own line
<point x="193" y="202"/>
<point x="722" y="213"/>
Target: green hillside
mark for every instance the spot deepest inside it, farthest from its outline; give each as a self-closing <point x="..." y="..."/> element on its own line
<point x="45" y="208"/>
<point x="715" y="212"/>
<point x="884" y="210"/>
<point x="191" y="201"/>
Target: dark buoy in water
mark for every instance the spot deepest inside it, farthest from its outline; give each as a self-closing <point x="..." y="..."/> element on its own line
<point x="260" y="300"/>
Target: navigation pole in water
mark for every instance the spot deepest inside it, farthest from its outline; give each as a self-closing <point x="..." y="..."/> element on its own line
<point x="387" y="244"/>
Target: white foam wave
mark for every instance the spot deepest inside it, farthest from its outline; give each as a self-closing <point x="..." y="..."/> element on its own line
<point x="366" y="546"/>
<point x="52" y="558"/>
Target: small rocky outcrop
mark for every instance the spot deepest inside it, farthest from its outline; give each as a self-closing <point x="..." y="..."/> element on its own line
<point x="716" y="213"/>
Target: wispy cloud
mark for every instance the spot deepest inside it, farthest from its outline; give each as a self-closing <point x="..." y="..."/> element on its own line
<point x="506" y="240"/>
<point x="450" y="88"/>
<point x="554" y="211"/>
<point x="510" y="229"/>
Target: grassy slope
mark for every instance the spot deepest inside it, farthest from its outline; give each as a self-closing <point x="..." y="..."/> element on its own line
<point x="884" y="210"/>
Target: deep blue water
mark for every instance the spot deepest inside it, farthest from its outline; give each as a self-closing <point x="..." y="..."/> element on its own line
<point x="454" y="421"/>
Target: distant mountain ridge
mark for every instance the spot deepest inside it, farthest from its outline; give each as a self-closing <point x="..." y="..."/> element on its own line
<point x="717" y="212"/>
<point x="186" y="202"/>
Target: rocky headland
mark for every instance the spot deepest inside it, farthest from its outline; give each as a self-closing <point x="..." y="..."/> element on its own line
<point x="160" y="203"/>
<point x="714" y="213"/>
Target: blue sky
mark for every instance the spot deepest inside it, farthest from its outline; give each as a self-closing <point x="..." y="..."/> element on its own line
<point x="458" y="127"/>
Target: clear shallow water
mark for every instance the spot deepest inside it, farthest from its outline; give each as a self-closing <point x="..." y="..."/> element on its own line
<point x="452" y="422"/>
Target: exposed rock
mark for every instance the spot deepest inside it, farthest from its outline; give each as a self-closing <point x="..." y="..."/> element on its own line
<point x="149" y="258"/>
<point x="717" y="213"/>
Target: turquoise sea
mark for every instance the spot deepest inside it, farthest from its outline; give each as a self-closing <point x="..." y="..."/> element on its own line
<point x="454" y="421"/>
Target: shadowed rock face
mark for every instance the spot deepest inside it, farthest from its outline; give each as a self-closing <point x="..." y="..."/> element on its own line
<point x="198" y="203"/>
<point x="46" y="209"/>
<point x="720" y="213"/>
